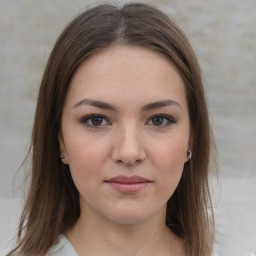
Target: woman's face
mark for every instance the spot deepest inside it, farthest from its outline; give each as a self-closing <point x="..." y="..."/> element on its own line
<point x="125" y="133"/>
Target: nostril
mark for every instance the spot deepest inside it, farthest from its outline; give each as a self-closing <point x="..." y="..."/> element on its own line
<point x="129" y="163"/>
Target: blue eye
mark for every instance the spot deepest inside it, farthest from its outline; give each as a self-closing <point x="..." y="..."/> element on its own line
<point x="161" y="121"/>
<point x="94" y="121"/>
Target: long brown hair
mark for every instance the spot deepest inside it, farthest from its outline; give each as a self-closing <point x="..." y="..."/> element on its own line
<point x="52" y="203"/>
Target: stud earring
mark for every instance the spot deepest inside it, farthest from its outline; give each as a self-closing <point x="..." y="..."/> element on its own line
<point x="62" y="157"/>
<point x="189" y="154"/>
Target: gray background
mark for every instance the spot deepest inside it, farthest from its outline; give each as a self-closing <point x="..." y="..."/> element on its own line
<point x="223" y="34"/>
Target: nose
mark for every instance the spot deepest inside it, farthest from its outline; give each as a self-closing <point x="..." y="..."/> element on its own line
<point x="128" y="147"/>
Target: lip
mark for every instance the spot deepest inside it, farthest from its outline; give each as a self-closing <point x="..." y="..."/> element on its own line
<point x="128" y="185"/>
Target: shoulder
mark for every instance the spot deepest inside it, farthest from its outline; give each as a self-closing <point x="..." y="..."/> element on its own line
<point x="58" y="249"/>
<point x="62" y="248"/>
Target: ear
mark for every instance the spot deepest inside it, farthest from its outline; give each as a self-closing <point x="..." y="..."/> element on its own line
<point x="189" y="151"/>
<point x="63" y="152"/>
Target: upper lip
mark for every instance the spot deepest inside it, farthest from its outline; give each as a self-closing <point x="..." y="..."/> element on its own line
<point x="128" y="180"/>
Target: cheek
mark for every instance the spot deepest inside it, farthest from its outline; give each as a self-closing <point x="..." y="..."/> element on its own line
<point x="169" y="154"/>
<point x="86" y="157"/>
<point x="169" y="159"/>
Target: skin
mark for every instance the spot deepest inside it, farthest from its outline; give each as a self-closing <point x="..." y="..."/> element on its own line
<point x="125" y="139"/>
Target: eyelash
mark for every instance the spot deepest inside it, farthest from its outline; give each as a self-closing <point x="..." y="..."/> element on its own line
<point x="86" y="119"/>
<point x="169" y="120"/>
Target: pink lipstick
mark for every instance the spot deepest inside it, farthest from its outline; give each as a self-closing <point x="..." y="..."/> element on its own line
<point x="128" y="185"/>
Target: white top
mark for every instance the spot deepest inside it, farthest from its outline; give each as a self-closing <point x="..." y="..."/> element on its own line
<point x="65" y="248"/>
<point x="62" y="248"/>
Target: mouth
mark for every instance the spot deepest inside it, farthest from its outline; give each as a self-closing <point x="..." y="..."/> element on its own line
<point x="128" y="185"/>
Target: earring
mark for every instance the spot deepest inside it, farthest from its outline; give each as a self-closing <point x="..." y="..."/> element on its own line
<point x="189" y="154"/>
<point x="62" y="157"/>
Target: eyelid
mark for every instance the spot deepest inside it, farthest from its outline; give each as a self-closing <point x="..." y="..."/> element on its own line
<point x="169" y="118"/>
<point x="84" y="120"/>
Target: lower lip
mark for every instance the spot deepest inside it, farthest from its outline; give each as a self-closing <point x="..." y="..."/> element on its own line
<point x="130" y="188"/>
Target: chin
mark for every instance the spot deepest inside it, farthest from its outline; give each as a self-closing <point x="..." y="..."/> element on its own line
<point x="130" y="216"/>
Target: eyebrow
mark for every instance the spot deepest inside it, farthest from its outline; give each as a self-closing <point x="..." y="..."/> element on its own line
<point x="161" y="104"/>
<point x="104" y="105"/>
<point x="95" y="103"/>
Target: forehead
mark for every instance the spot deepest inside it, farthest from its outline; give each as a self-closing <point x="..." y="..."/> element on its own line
<point x="128" y="59"/>
<point x="129" y="73"/>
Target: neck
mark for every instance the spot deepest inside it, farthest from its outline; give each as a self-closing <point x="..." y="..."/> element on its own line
<point x="94" y="235"/>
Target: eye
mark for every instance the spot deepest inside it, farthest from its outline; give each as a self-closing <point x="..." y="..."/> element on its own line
<point x="95" y="121"/>
<point x="161" y="121"/>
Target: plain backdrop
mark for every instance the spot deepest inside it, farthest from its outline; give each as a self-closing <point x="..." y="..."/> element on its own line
<point x="223" y="34"/>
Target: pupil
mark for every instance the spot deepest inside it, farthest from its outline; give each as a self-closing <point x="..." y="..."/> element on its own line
<point x="157" y="121"/>
<point x="97" y="121"/>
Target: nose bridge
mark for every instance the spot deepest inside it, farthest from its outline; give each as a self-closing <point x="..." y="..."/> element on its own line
<point x="129" y="146"/>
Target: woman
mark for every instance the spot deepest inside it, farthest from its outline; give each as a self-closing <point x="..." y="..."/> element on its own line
<point x="121" y="142"/>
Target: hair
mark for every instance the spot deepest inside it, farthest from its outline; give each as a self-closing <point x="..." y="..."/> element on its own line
<point x="52" y="202"/>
